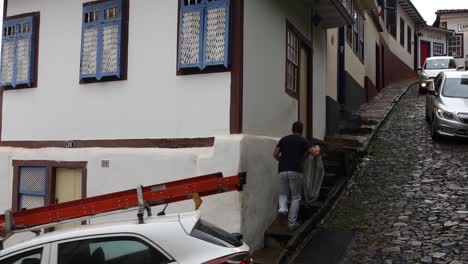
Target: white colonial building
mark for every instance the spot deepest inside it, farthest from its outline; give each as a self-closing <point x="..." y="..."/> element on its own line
<point x="457" y="21"/>
<point x="101" y="96"/>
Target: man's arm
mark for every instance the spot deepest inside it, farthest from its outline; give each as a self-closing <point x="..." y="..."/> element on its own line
<point x="276" y="153"/>
<point x="314" y="151"/>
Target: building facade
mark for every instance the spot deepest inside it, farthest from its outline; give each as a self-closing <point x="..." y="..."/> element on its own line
<point x="377" y="49"/>
<point x="432" y="42"/>
<point x="102" y="96"/>
<point x="457" y="21"/>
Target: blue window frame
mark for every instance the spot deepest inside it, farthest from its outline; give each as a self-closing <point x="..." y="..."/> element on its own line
<point x="101" y="40"/>
<point x="203" y="33"/>
<point x="18" y="52"/>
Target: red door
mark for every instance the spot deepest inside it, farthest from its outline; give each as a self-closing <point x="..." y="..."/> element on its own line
<point x="425" y="51"/>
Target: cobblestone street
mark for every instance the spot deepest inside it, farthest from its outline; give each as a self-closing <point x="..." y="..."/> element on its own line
<point x="407" y="203"/>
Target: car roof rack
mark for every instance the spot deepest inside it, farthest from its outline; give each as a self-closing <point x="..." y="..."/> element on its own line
<point x="141" y="198"/>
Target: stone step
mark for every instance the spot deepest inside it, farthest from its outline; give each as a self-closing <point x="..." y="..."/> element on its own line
<point x="266" y="256"/>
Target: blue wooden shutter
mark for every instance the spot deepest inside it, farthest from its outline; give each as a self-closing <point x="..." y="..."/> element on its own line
<point x="17" y="52"/>
<point x="90" y="42"/>
<point x="191" y="35"/>
<point x="32" y="187"/>
<point x="216" y="27"/>
<point x="101" y="43"/>
<point x="110" y="61"/>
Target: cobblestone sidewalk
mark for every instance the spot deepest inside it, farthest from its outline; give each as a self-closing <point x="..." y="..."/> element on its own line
<point x="408" y="200"/>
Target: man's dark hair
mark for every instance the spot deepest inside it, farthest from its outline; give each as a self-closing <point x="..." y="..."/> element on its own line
<point x="297" y="127"/>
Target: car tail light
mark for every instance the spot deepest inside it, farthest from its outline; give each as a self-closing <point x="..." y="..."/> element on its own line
<point x="238" y="258"/>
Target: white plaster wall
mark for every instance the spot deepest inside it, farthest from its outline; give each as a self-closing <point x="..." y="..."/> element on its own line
<point x="332" y="63"/>
<point x="431" y="36"/>
<point x="319" y="82"/>
<point x="453" y="20"/>
<point x="394" y="43"/>
<point x="250" y="212"/>
<point x="353" y="65"/>
<point x="154" y="102"/>
<point x="371" y="38"/>
<point x="268" y="110"/>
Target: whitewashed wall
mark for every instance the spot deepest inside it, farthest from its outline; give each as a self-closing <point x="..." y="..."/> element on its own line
<point x="431" y="36"/>
<point x="453" y="20"/>
<point x="353" y="65"/>
<point x="394" y="42"/>
<point x="371" y="38"/>
<point x="319" y="82"/>
<point x="332" y="63"/>
<point x="250" y="212"/>
<point x="154" y="102"/>
<point x="268" y="110"/>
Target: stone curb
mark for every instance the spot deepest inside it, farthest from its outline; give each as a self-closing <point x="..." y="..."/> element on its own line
<point x="299" y="240"/>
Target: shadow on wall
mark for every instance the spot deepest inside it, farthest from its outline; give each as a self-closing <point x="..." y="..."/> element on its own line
<point x="260" y="196"/>
<point x="395" y="70"/>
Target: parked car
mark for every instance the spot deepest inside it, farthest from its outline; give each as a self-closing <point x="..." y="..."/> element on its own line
<point x="433" y="66"/>
<point x="178" y="238"/>
<point x="447" y="105"/>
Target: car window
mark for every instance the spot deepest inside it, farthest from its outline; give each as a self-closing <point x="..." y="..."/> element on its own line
<point x="456" y="87"/>
<point x="435" y="64"/>
<point x="30" y="257"/>
<point x="452" y="64"/>
<point x="437" y="83"/>
<point x="112" y="250"/>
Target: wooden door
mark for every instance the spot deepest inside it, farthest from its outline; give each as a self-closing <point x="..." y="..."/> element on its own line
<point x="68" y="187"/>
<point x="425" y="51"/>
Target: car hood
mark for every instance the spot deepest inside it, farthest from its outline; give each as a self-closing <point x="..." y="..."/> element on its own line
<point x="455" y="105"/>
<point x="434" y="73"/>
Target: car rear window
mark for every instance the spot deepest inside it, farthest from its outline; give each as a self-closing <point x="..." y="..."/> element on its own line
<point x="438" y="64"/>
<point x="215" y="235"/>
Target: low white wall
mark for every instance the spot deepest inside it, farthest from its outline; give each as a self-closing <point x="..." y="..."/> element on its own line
<point x="250" y="212"/>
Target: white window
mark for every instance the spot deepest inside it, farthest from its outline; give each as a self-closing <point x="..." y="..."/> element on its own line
<point x="455" y="45"/>
<point x="292" y="61"/>
<point x="438" y="49"/>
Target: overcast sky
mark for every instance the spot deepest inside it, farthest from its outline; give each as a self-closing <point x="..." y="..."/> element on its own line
<point x="427" y="8"/>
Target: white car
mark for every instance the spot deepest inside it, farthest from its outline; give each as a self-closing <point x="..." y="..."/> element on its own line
<point x="179" y="238"/>
<point x="432" y="67"/>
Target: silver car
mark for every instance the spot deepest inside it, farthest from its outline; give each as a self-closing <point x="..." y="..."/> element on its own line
<point x="447" y="105"/>
<point x="432" y="67"/>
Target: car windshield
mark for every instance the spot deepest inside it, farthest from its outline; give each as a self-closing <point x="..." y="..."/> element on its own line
<point x="437" y="64"/>
<point x="456" y="87"/>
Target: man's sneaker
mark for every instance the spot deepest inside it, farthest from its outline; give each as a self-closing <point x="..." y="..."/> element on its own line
<point x="282" y="212"/>
<point x="293" y="227"/>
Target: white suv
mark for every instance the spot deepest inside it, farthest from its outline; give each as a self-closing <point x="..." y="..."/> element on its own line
<point x="180" y="238"/>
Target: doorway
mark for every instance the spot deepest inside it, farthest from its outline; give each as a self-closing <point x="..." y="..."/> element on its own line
<point x="425" y="51"/>
<point x="305" y="89"/>
<point x="68" y="187"/>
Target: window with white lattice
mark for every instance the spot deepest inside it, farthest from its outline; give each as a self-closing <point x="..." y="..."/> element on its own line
<point x="455" y="45"/>
<point x="19" y="51"/>
<point x="32" y="187"/>
<point x="102" y="41"/>
<point x="438" y="49"/>
<point x="203" y="33"/>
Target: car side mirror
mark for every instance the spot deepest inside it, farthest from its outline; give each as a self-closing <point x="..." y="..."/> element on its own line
<point x="460" y="68"/>
<point x="239" y="236"/>
<point x="432" y="92"/>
